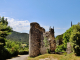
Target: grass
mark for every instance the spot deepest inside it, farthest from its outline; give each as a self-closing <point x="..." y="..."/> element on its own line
<point x="55" y="57"/>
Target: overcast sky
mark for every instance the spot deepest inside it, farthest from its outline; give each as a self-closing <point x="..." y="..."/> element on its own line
<point x="57" y="13"/>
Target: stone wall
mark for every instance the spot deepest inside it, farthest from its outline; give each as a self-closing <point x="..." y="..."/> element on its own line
<point x="52" y="40"/>
<point x="43" y="49"/>
<point x="68" y="48"/>
<point x="35" y="36"/>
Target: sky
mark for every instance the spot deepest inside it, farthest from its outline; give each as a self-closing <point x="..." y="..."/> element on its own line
<point x="57" y="13"/>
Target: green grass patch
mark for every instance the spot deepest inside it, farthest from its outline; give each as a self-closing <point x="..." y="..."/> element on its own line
<point x="56" y="57"/>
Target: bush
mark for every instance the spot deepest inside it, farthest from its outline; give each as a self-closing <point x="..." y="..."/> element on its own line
<point x="66" y="38"/>
<point x="46" y="44"/>
<point x="60" y="48"/>
<point x="12" y="48"/>
<point x="59" y="38"/>
<point x="23" y="52"/>
<point x="48" y="51"/>
<point x="75" y="41"/>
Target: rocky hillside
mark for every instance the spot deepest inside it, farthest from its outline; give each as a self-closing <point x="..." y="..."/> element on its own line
<point x="20" y="37"/>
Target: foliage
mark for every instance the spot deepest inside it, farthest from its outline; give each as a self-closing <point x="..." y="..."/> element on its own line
<point x="4" y="21"/>
<point x="65" y="38"/>
<point x="46" y="42"/>
<point x="9" y="48"/>
<point x="19" y="37"/>
<point x="4" y="31"/>
<point x="75" y="39"/>
<point x="60" y="48"/>
<point x="68" y="36"/>
<point x="12" y="46"/>
<point x="59" y="37"/>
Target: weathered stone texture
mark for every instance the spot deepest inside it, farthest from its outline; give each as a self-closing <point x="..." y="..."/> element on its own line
<point x="35" y="36"/>
<point x="52" y="46"/>
<point x="51" y="39"/>
<point x="43" y="49"/>
<point x="68" y="48"/>
<point x="52" y="42"/>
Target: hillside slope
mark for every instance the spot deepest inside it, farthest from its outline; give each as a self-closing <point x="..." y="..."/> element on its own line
<point x="20" y="37"/>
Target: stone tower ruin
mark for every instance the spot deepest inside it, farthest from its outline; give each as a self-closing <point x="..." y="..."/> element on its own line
<point x="51" y="39"/>
<point x="36" y="37"/>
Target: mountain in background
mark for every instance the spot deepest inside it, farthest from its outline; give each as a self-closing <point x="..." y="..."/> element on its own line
<point x="20" y="37"/>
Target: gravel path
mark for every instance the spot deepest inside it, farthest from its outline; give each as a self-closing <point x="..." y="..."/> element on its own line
<point x="20" y="57"/>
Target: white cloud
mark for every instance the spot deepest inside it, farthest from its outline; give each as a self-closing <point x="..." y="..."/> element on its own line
<point x="24" y="26"/>
<point x="20" y="26"/>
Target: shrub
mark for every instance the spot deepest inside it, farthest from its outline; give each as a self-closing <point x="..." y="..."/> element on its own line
<point x="66" y="38"/>
<point x="46" y="44"/>
<point x="75" y="41"/>
<point x="23" y="52"/>
<point x="60" y="48"/>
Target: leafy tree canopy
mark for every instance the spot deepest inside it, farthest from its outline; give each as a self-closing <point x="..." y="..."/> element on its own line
<point x="67" y="35"/>
<point x="4" y="31"/>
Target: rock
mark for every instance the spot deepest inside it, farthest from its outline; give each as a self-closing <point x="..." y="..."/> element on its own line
<point x="68" y="48"/>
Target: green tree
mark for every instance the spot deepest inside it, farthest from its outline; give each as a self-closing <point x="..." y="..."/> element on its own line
<point x="4" y="20"/>
<point x="66" y="37"/>
<point x="75" y="39"/>
<point x="4" y="31"/>
<point x="60" y="48"/>
<point x="59" y="38"/>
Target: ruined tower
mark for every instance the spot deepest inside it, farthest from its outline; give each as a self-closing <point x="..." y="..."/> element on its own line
<point x="35" y="37"/>
<point x="50" y="37"/>
<point x="52" y="40"/>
